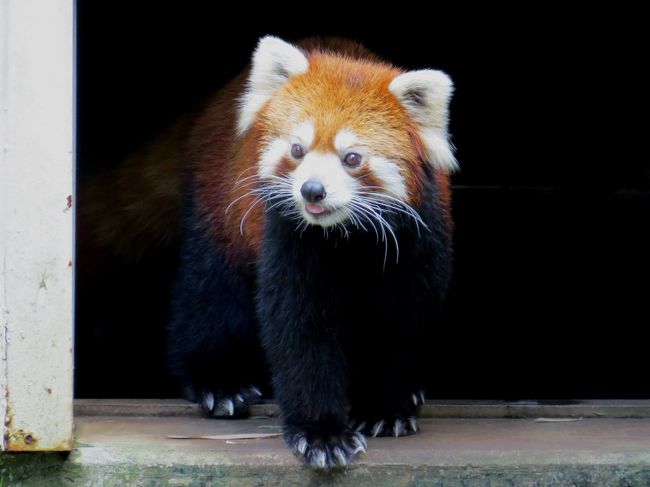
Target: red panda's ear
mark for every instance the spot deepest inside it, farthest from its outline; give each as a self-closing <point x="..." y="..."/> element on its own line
<point x="426" y="94"/>
<point x="274" y="63"/>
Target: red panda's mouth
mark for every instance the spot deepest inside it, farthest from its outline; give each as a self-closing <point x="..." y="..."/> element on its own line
<point x="316" y="209"/>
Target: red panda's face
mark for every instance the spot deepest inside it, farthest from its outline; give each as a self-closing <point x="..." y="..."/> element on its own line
<point x="343" y="140"/>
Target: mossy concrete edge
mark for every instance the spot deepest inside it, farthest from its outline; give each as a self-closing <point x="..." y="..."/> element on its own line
<point x="54" y="470"/>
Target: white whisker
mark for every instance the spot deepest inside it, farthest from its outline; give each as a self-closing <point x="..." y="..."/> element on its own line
<point x="395" y="204"/>
<point x="252" y="192"/>
<point x="250" y="208"/>
<point x="244" y="172"/>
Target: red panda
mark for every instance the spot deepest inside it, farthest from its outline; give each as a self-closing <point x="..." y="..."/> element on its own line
<point x="328" y="104"/>
<point x="315" y="244"/>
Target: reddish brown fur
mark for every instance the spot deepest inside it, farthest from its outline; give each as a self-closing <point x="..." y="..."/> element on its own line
<point x="219" y="158"/>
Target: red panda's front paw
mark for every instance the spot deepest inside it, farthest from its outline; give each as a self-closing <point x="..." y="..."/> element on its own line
<point x="233" y="405"/>
<point x="335" y="451"/>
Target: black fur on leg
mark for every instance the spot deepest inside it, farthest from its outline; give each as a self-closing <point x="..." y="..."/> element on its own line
<point x="213" y="335"/>
<point x="300" y="333"/>
<point x="340" y="321"/>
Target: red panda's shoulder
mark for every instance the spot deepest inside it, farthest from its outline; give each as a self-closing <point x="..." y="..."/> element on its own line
<point x="221" y="167"/>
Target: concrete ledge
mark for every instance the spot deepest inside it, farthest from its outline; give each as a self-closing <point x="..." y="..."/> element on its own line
<point x="135" y="451"/>
<point x="432" y="409"/>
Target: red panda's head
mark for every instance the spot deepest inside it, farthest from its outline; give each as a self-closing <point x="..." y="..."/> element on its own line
<point x="343" y="139"/>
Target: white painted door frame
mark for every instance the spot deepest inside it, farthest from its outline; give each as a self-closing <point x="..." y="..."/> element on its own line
<point x="36" y="223"/>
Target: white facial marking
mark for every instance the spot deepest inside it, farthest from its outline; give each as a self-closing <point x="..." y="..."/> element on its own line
<point x="327" y="168"/>
<point x="390" y="175"/>
<point x="277" y="149"/>
<point x="303" y="134"/>
<point x="339" y="186"/>
<point x="344" y="141"/>
<point x="386" y="170"/>
<point x="272" y="156"/>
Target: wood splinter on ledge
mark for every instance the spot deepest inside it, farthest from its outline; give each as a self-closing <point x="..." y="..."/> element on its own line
<point x="239" y="436"/>
<point x="556" y="420"/>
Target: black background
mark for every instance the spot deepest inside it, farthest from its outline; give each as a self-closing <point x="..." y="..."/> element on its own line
<point x="552" y="205"/>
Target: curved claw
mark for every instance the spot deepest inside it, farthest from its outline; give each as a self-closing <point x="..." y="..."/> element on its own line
<point x="219" y="405"/>
<point x="377" y="428"/>
<point x="337" y="452"/>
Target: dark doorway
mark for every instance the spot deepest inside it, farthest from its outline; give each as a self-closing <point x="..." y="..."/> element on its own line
<point x="552" y="205"/>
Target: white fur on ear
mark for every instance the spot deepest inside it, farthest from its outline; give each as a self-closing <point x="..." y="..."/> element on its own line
<point x="274" y="63"/>
<point x="426" y="94"/>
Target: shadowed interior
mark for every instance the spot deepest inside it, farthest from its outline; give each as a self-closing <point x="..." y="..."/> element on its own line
<point x="551" y="205"/>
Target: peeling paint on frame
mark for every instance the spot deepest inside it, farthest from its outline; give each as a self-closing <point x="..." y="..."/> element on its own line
<point x="36" y="236"/>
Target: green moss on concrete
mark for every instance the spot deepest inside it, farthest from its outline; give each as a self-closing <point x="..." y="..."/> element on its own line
<point x="16" y="468"/>
<point x="54" y="470"/>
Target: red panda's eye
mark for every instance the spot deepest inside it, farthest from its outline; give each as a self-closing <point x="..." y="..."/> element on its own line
<point x="297" y="152"/>
<point x="352" y="159"/>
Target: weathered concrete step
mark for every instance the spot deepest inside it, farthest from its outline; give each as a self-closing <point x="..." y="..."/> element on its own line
<point x="432" y="409"/>
<point x="136" y="451"/>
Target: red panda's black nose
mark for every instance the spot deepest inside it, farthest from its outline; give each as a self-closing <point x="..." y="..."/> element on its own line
<point x="313" y="191"/>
